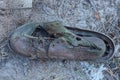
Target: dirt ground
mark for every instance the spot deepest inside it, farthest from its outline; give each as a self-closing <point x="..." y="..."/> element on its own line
<point x="99" y="15"/>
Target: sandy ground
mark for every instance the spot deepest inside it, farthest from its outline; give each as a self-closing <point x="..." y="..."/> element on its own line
<point x="101" y="15"/>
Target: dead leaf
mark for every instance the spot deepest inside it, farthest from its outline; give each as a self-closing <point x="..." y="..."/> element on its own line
<point x="97" y="16"/>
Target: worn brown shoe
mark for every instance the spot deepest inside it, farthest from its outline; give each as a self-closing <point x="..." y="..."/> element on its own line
<point x="33" y="41"/>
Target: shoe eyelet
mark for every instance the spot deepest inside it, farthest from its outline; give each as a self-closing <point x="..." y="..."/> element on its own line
<point x="77" y="38"/>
